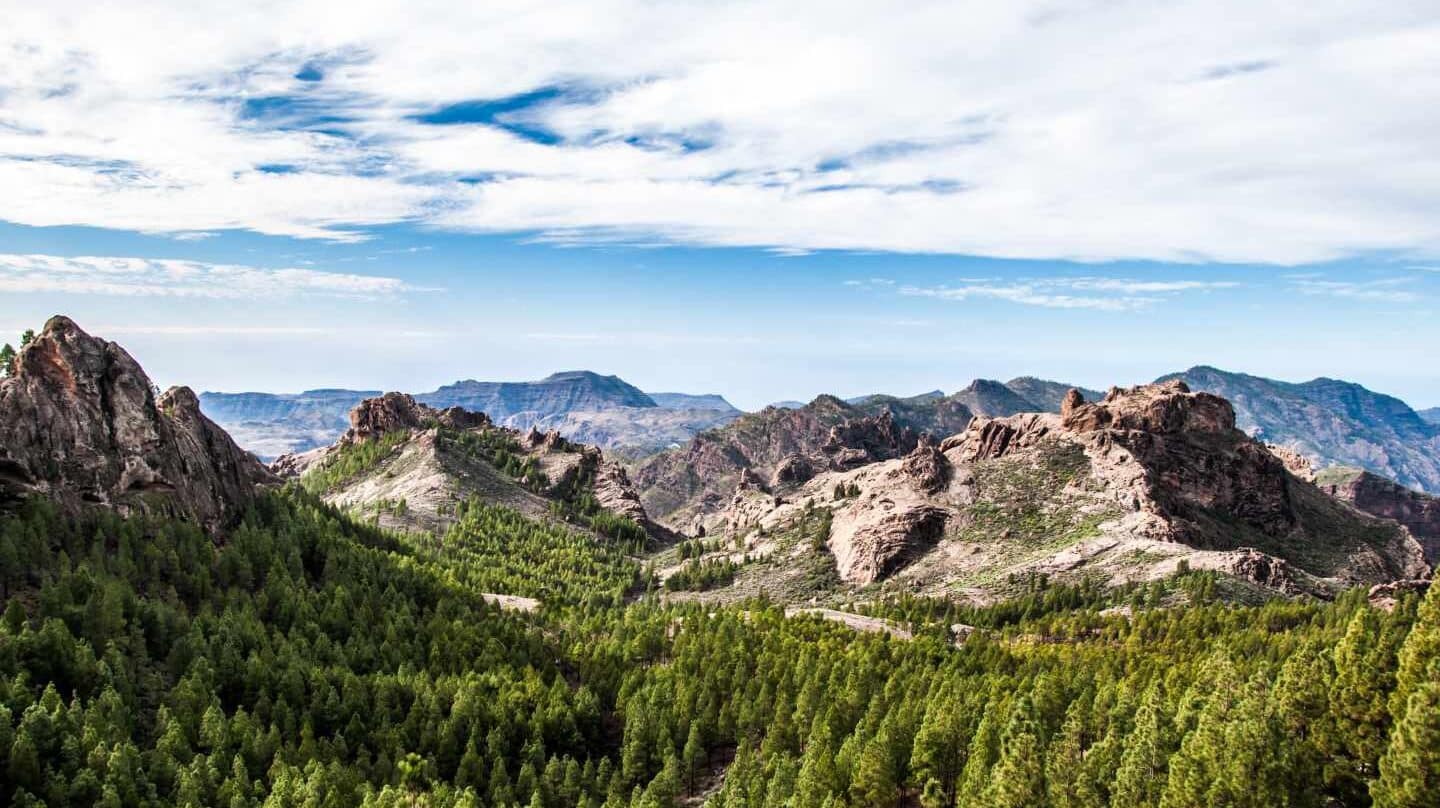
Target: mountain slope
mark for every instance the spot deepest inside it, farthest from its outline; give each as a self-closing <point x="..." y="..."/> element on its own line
<point x="782" y="447"/>
<point x="1377" y="496"/>
<point x="1145" y="483"/>
<point x="990" y="399"/>
<point x="1332" y="422"/>
<point x="82" y="424"/>
<point x="689" y="401"/>
<point x="409" y="466"/>
<point x="1047" y="395"/>
<point x="1430" y="416"/>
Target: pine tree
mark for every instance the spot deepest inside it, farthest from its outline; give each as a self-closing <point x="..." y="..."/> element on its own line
<point x="1144" y="764"/>
<point x="1410" y="769"/>
<point x="1018" y="779"/>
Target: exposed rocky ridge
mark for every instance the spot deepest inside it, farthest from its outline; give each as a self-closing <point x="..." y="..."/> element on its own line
<point x="1332" y="422"/>
<point x="431" y="473"/>
<point x="1377" y="496"/>
<point x="81" y="423"/>
<point x="686" y="487"/>
<point x="1126" y="488"/>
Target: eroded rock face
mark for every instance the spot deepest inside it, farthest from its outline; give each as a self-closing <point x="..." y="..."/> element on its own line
<point x="1377" y="496"/>
<point x="927" y="467"/>
<point x="883" y="539"/>
<point x="1165" y="408"/>
<point x="80" y="422"/>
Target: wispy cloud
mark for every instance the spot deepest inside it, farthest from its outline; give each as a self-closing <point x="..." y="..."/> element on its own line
<point x="720" y="126"/>
<point x="1104" y="294"/>
<point x="163" y="277"/>
<point x="1383" y="290"/>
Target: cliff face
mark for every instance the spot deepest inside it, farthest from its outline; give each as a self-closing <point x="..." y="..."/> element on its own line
<point x="1377" y="496"/>
<point x="1332" y="422"/>
<point x="80" y="422"/>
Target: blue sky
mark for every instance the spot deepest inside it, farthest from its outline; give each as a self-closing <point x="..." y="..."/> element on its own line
<point x="767" y="200"/>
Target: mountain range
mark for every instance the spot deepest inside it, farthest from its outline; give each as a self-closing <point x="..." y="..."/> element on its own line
<point x="604" y="410"/>
<point x="1330" y="422"/>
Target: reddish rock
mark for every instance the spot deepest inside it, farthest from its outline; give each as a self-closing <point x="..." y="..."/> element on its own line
<point x="1377" y="496"/>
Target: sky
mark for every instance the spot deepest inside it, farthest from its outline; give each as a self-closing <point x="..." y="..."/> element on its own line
<point x="765" y="200"/>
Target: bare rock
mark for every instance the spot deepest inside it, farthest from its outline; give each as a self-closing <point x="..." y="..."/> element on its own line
<point x="1265" y="570"/>
<point x="80" y="422"/>
<point x="1377" y="496"/>
<point x="882" y="540"/>
<point x="1295" y="463"/>
<point x="793" y="470"/>
<point x="1386" y="596"/>
<point x="926" y="466"/>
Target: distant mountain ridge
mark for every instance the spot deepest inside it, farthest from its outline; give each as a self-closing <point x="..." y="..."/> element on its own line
<point x="583" y="405"/>
<point x="1431" y="415"/>
<point x="1332" y="422"/>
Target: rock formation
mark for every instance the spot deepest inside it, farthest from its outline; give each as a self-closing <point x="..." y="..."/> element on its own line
<point x="80" y="422"/>
<point x="1377" y="496"/>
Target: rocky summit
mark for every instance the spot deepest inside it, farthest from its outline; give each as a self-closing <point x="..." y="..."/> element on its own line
<point x="82" y="424"/>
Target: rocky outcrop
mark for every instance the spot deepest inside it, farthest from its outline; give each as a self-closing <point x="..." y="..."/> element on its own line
<point x="785" y="448"/>
<point x="883" y="539"/>
<point x="393" y="412"/>
<point x="927" y="466"/>
<point x="1377" y="496"/>
<point x="80" y="422"/>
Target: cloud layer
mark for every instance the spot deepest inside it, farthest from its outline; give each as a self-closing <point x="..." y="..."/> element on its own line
<point x="160" y="277"/>
<point x="1235" y="131"/>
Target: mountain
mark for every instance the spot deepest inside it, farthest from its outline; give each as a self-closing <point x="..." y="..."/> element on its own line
<point x="687" y="401"/>
<point x="989" y="398"/>
<point x="1047" y="395"/>
<point x="272" y="424"/>
<point x="1143" y="483"/>
<point x="1332" y="422"/>
<point x="81" y="424"/>
<point x="410" y="466"/>
<point x="787" y="404"/>
<point x="930" y="396"/>
<point x="575" y="390"/>
<point x="582" y="405"/>
<point x="688" y="484"/>
<point x="1431" y="416"/>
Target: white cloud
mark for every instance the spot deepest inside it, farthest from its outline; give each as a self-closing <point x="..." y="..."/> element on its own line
<point x="163" y="277"/>
<point x="1383" y="290"/>
<point x="1235" y="131"/>
<point x="1104" y="294"/>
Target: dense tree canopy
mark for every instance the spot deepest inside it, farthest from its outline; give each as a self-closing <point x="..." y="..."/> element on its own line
<point x="304" y="658"/>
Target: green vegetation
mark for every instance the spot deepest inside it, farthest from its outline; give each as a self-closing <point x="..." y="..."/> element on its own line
<point x="700" y="574"/>
<point x="308" y="659"/>
<point x="351" y="460"/>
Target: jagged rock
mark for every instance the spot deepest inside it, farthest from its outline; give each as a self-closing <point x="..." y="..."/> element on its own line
<point x="80" y="423"/>
<point x="993" y="438"/>
<point x="1072" y="401"/>
<point x="1265" y="570"/>
<point x="927" y="466"/>
<point x="615" y="493"/>
<point x="1166" y="408"/>
<point x="793" y="470"/>
<point x="1296" y="463"/>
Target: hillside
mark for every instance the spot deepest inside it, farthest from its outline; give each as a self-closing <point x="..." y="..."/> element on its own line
<point x="1431" y="416"/>
<point x="407" y="466"/>
<point x="1377" y="496"/>
<point x="1136" y="487"/>
<point x="1332" y="422"/>
<point x="688" y="401"/>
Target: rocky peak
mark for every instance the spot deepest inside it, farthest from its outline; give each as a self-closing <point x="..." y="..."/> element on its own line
<point x="392" y="412"/>
<point x="80" y="422"/>
<point x="1163" y="408"/>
